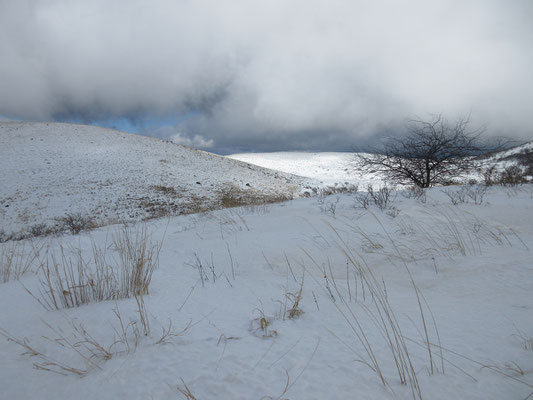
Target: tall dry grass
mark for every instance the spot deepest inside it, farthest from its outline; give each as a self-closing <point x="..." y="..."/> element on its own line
<point x="139" y="258"/>
<point x="78" y="350"/>
<point x="19" y="258"/>
<point x="74" y="278"/>
<point x="378" y="313"/>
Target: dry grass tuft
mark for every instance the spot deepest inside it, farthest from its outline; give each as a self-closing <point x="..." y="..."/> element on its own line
<point x="46" y="363"/>
<point x="16" y="259"/>
<point x="233" y="196"/>
<point x="260" y="326"/>
<point x="380" y="314"/>
<point x="139" y="258"/>
<point x="526" y="341"/>
<point x="185" y="391"/>
<point x="74" y="279"/>
<point x="382" y="197"/>
<point x="168" y="333"/>
<point x="295" y="298"/>
<point x="143" y="314"/>
<point x="79" y="351"/>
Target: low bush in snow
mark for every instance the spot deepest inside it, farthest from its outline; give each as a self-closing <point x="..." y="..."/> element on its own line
<point x="381" y="198"/>
<point x="76" y="222"/>
<point x="464" y="194"/>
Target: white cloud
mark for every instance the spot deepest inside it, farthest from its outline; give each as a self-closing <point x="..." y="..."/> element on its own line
<point x="270" y="70"/>
<point x="196" y="141"/>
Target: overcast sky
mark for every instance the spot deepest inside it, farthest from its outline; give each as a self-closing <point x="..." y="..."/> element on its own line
<point x="256" y="75"/>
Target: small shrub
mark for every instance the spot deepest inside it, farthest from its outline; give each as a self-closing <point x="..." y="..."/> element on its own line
<point x="392" y="212"/>
<point x="381" y="198"/>
<point x="323" y="193"/>
<point x="475" y="193"/>
<point x="363" y="199"/>
<point x="330" y="207"/>
<point x="489" y="176"/>
<point x="512" y="176"/>
<point x="76" y="223"/>
<point x="38" y="230"/>
<point x="416" y="192"/>
<point x="456" y="196"/>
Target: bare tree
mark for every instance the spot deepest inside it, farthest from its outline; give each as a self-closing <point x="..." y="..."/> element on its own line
<point x="433" y="152"/>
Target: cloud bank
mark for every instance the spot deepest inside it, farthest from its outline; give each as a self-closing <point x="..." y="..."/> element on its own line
<point x="269" y="75"/>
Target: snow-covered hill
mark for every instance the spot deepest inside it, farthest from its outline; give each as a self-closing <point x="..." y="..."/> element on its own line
<point x="526" y="148"/>
<point x="50" y="170"/>
<point x="520" y="155"/>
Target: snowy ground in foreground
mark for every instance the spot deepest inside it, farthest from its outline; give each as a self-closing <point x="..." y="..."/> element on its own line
<point x="471" y="262"/>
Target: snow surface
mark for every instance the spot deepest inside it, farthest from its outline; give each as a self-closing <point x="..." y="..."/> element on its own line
<point x="330" y="168"/>
<point x="50" y="170"/>
<point x="472" y="263"/>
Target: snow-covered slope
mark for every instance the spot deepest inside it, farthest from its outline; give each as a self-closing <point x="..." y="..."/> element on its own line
<point x="50" y="170"/>
<point x="520" y="155"/>
<point x="232" y="277"/>
<point x="526" y="148"/>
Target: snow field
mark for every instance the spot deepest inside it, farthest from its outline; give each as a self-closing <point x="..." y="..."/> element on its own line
<point x="331" y="169"/>
<point x="229" y="279"/>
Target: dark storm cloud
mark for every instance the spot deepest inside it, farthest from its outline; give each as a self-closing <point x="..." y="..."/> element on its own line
<point x="269" y="74"/>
